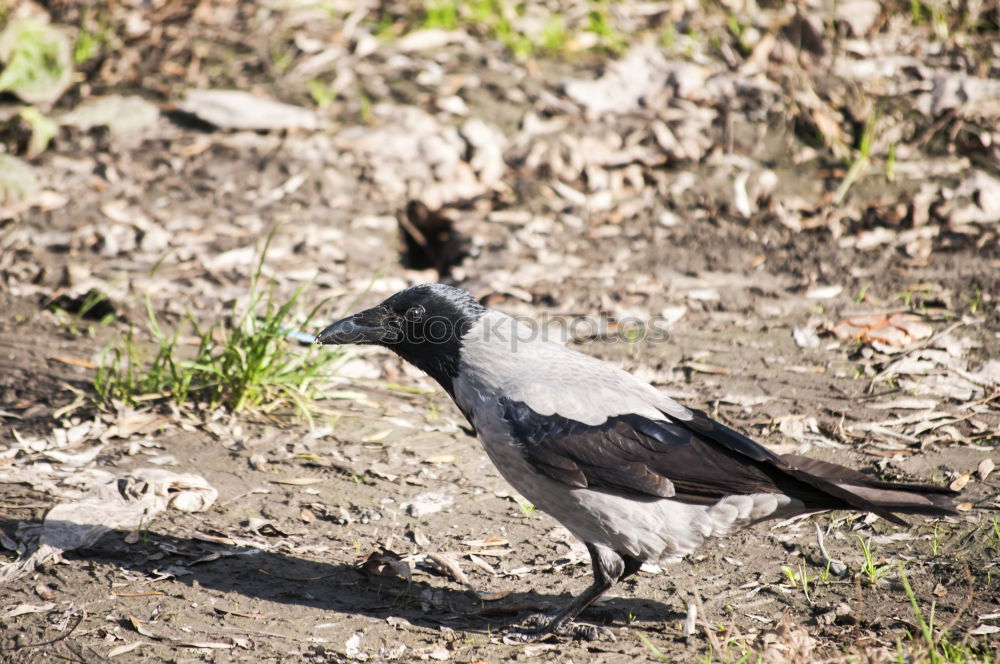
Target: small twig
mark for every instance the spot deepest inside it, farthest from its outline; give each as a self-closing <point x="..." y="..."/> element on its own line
<point x="79" y="619"/>
<point x="838" y="567"/>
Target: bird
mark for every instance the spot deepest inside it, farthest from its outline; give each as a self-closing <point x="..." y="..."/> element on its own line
<point x="632" y="473"/>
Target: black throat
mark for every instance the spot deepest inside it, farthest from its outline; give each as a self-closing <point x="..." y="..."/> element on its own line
<point x="440" y="361"/>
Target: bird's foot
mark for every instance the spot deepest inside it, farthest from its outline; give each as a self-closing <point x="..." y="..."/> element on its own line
<point x="538" y="627"/>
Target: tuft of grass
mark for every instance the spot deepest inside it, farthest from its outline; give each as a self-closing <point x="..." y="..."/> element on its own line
<point x="527" y="508"/>
<point x="554" y="35"/>
<point x="37" y="60"/>
<point x="862" y="294"/>
<point x="73" y="323"/>
<point x="927" y="649"/>
<point x="43" y="129"/>
<point x="440" y="15"/>
<point x="250" y="364"/>
<point x="95" y="35"/>
<point x="651" y="647"/>
<point x="926" y="628"/>
<point x="322" y="94"/>
<point x="611" y="39"/>
<point x="870" y="570"/>
<point x="976" y="301"/>
<point x="869" y="132"/>
<point x="800" y="578"/>
<point x="524" y="29"/>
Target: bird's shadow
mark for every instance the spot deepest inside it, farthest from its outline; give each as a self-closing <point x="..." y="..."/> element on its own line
<point x="340" y="587"/>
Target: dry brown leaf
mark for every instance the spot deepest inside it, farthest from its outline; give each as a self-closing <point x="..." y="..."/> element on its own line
<point x="986" y="467"/>
<point x="138" y="626"/>
<point x="385" y="563"/>
<point x="896" y="330"/>
<point x="959" y="482"/>
<point x="489" y="541"/>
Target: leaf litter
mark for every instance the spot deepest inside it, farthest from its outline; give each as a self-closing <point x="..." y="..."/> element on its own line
<point x="658" y="182"/>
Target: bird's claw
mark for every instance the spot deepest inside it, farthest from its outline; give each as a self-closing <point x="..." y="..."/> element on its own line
<point x="588" y="632"/>
<point x="538" y="627"/>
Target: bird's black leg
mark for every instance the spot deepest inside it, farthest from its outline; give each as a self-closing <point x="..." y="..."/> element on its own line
<point x="632" y="565"/>
<point x="609" y="567"/>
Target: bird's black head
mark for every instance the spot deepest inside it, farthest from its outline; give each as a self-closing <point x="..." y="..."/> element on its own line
<point x="424" y="325"/>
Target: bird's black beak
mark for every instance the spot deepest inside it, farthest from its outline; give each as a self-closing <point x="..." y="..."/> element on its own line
<point x="370" y="326"/>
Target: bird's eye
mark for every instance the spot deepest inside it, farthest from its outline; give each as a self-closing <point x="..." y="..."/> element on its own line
<point x="415" y="314"/>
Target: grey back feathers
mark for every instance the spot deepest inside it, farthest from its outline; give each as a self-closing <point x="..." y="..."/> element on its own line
<point x="501" y="358"/>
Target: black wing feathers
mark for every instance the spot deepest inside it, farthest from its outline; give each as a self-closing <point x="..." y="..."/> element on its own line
<point x="699" y="461"/>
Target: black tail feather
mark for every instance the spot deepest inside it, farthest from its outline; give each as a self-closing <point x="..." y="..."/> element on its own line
<point x="862" y="492"/>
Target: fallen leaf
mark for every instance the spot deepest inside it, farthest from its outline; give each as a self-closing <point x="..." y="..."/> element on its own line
<point x="489" y="541"/>
<point x="805" y="337"/>
<point x="897" y="330"/>
<point x="708" y="368"/>
<point x="385" y="563"/>
<point x="24" y="609"/>
<point x="824" y="292"/>
<point x="440" y="459"/>
<point x="984" y="630"/>
<point x="73" y="361"/>
<point x="44" y="591"/>
<point x="427" y="503"/>
<point x="125" y="648"/>
<point x="137" y="626"/>
<point x="235" y="109"/>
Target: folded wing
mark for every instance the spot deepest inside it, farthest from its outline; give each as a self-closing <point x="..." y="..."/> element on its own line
<point x="700" y="461"/>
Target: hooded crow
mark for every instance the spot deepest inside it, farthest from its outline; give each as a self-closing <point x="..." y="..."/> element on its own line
<point x="632" y="473"/>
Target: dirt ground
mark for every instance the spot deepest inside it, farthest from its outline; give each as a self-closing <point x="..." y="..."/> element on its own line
<point x="379" y="531"/>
